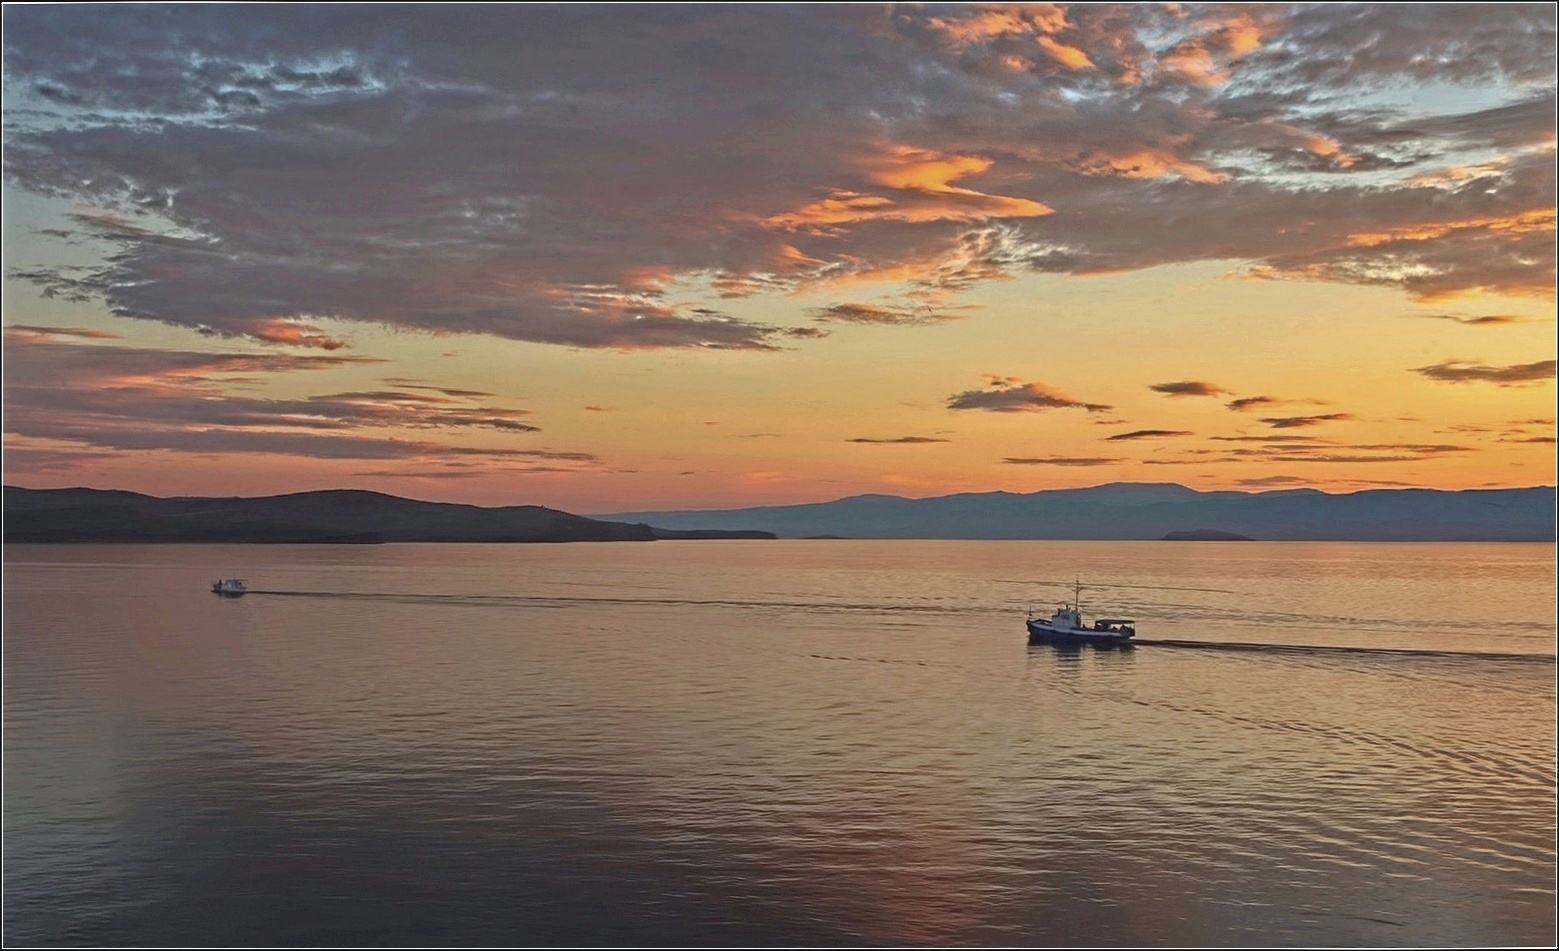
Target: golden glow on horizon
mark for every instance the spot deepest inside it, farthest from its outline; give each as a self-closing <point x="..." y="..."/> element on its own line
<point x="704" y="430"/>
<point x="955" y="249"/>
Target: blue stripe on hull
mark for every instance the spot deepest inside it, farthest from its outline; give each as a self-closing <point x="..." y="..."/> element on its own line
<point x="1045" y="636"/>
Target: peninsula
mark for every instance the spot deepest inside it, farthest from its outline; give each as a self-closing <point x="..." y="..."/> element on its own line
<point x="339" y="516"/>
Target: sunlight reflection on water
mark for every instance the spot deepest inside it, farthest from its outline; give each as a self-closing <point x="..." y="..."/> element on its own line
<point x="774" y="743"/>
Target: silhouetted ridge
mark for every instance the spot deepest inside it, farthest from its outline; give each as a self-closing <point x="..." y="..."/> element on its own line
<point x="1206" y="535"/>
<point x="339" y="516"/>
<point x="1132" y="510"/>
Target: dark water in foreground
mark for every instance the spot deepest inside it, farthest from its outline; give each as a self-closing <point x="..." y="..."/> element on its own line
<point x="807" y="742"/>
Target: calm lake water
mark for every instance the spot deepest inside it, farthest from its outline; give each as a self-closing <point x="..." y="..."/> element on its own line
<point x="786" y="742"/>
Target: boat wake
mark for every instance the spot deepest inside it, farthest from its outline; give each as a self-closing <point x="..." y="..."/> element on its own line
<point x="561" y="601"/>
<point x="1338" y="649"/>
<point x="555" y="602"/>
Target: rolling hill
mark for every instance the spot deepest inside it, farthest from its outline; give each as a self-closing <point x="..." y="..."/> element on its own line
<point x="1152" y="510"/>
<point x="332" y="516"/>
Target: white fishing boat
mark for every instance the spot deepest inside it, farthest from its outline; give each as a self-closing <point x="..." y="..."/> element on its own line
<point x="1066" y="626"/>
<point x="232" y="587"/>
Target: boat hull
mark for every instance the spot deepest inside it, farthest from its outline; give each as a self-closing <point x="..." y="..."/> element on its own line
<point x="1041" y="633"/>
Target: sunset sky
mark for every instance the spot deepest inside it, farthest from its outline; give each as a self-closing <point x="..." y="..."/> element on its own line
<point x="648" y="256"/>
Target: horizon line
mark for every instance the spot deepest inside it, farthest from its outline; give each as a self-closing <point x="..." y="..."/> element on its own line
<point x="631" y="511"/>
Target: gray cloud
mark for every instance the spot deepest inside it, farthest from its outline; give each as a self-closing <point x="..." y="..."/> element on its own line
<point x="1361" y="453"/>
<point x="552" y="173"/>
<point x="1060" y="461"/>
<point x="1486" y="320"/>
<point x="901" y="440"/>
<point x="1256" y="402"/>
<point x="38" y="360"/>
<point x="423" y="473"/>
<point x="426" y="471"/>
<point x="1428" y="448"/>
<point x="33" y="459"/>
<point x="1190" y="388"/>
<point x="1147" y="434"/>
<point x="1011" y="395"/>
<point x="105" y="397"/>
<point x="1339" y="457"/>
<point x="414" y="384"/>
<point x="1182" y="461"/>
<point x="1378" y="44"/>
<point x="879" y="314"/>
<point x="1296" y="422"/>
<point x="85" y="333"/>
<point x="1270" y="439"/>
<point x="1509" y="126"/>
<point x="1467" y="371"/>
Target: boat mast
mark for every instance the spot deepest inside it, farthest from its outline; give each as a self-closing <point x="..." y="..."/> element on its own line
<point x="1077" y="600"/>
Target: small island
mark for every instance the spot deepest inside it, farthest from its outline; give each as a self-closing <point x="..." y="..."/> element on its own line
<point x="1206" y="535"/>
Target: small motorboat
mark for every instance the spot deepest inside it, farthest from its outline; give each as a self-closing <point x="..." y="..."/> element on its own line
<point x="1066" y="626"/>
<point x="232" y="587"/>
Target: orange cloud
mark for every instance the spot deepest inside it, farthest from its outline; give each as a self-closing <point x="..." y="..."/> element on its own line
<point x="905" y="166"/>
<point x="1317" y="144"/>
<point x="1240" y="35"/>
<point x="296" y="335"/>
<point x="1204" y="59"/>
<point x="988" y="23"/>
<point x="646" y="278"/>
<point x="838" y="208"/>
<point x="1194" y="64"/>
<point x="791" y="256"/>
<point x="1540" y="219"/>
<point x="1069" y="56"/>
<point x="1151" y="162"/>
<point x="1460" y="174"/>
<point x="922" y="182"/>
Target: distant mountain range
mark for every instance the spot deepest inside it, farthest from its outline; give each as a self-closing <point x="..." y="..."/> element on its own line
<point x="335" y="516"/>
<point x="1135" y="510"/>
<point x="1122" y="510"/>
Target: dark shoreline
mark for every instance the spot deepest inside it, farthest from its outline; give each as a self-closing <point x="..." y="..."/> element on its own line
<point x="332" y="517"/>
